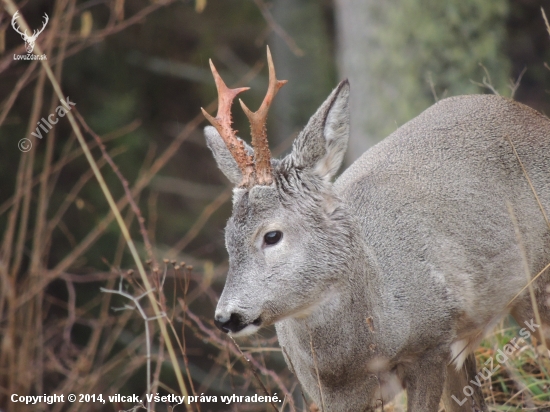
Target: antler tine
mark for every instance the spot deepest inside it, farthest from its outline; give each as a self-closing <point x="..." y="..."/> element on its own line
<point x="44" y="24"/>
<point x="14" y="23"/>
<point x="222" y="123"/>
<point x="262" y="155"/>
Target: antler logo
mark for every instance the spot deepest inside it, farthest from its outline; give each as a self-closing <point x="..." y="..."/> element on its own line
<point x="29" y="40"/>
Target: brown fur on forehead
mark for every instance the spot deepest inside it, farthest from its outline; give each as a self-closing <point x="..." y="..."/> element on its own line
<point x="254" y="201"/>
<point x="293" y="188"/>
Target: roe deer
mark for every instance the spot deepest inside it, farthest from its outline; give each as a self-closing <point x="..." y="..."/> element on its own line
<point x="394" y="272"/>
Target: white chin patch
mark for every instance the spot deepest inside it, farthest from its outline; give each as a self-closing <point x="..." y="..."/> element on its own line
<point x="249" y="330"/>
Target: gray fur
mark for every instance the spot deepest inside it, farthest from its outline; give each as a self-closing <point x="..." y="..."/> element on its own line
<point x="408" y="257"/>
<point x="226" y="162"/>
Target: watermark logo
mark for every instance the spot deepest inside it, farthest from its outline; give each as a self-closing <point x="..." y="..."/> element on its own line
<point x="24" y="145"/>
<point x="29" y="40"/>
<point x="501" y="357"/>
<point x="61" y="110"/>
<point x="45" y="124"/>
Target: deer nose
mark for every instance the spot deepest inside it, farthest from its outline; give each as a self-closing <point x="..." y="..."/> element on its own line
<point x="234" y="323"/>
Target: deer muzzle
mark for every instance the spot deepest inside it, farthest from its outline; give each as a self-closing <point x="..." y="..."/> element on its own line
<point x="235" y="323"/>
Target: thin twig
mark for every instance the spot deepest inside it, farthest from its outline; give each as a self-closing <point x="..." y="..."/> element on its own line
<point x="266" y="392"/>
<point x="430" y="81"/>
<point x="529" y="181"/>
<point x="71" y="309"/>
<point x="314" y="355"/>
<point x="273" y="25"/>
<point x="146" y="319"/>
<point x="545" y="20"/>
<point x="486" y="83"/>
<point x="515" y="85"/>
<point x="200" y="222"/>
<point x="523" y="253"/>
<point x="21" y="82"/>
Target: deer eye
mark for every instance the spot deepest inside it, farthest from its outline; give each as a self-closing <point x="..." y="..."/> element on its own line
<point x="273" y="237"/>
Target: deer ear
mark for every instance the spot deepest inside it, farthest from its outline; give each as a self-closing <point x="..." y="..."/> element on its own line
<point x="224" y="159"/>
<point x="322" y="144"/>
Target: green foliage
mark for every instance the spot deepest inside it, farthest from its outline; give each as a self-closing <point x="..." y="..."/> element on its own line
<point x="444" y="42"/>
<point x="523" y="378"/>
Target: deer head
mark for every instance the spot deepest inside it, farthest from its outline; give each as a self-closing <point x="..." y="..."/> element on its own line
<point x="29" y="40"/>
<point x="285" y="215"/>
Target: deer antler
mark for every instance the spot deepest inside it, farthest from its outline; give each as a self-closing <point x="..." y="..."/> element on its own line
<point x="17" y="28"/>
<point x="262" y="155"/>
<point x="257" y="170"/>
<point x="35" y="32"/>
<point x="222" y="123"/>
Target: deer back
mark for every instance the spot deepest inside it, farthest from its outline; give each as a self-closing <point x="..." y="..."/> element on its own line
<point x="439" y="202"/>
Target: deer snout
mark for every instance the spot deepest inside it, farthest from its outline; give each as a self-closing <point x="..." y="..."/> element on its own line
<point x="235" y="323"/>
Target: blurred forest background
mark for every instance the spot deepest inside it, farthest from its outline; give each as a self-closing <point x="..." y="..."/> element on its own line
<point x="138" y="73"/>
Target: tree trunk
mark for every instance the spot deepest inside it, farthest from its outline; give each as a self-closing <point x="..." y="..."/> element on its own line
<point x="401" y="56"/>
